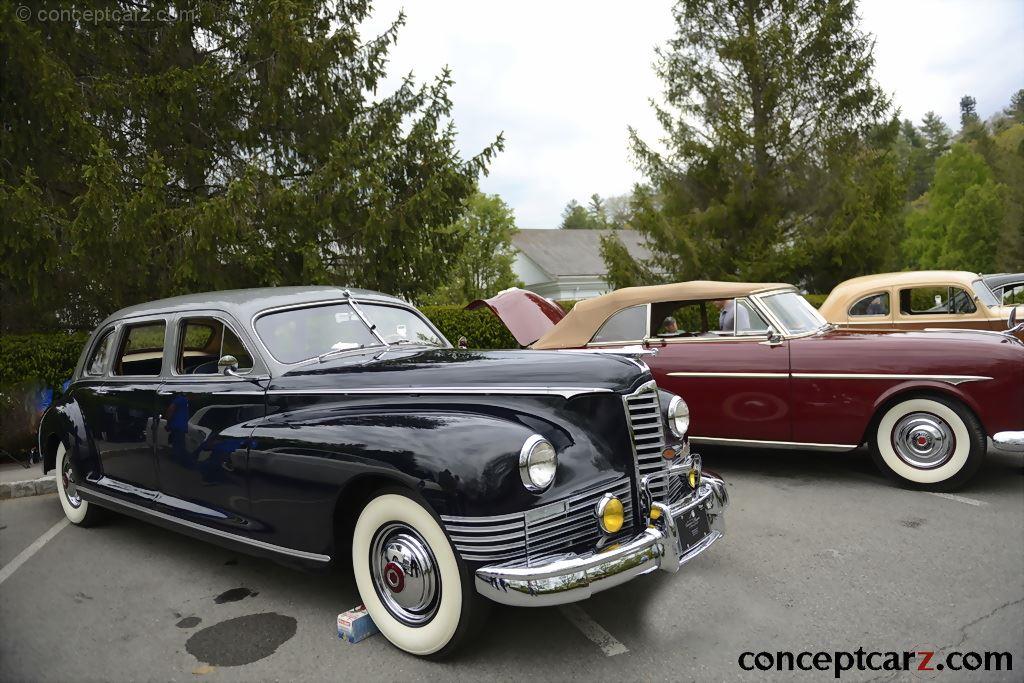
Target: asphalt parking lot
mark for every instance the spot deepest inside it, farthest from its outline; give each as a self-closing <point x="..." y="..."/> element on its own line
<point x="821" y="554"/>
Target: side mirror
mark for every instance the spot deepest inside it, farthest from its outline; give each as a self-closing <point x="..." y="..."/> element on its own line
<point x="228" y="365"/>
<point x="1012" y="322"/>
<point x="463" y="343"/>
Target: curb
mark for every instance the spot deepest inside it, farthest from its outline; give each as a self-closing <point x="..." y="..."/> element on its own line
<point x="28" y="487"/>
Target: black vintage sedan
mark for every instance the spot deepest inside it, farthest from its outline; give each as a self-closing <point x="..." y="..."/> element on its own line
<point x="316" y="424"/>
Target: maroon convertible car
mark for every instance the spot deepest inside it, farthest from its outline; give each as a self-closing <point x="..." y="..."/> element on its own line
<point x="759" y="367"/>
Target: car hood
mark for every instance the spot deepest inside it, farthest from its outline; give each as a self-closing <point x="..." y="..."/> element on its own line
<point x="938" y="352"/>
<point x="421" y="368"/>
<point x="528" y="316"/>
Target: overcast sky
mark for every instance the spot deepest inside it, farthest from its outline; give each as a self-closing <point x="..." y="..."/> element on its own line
<point x="564" y="78"/>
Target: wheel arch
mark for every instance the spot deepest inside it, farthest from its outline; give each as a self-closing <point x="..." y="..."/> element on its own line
<point x="907" y="390"/>
<point x="350" y="501"/>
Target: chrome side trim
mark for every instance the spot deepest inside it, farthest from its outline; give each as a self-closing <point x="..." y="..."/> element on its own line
<point x="752" y="443"/>
<point x="778" y="375"/>
<point x="949" y="379"/>
<point x="564" y="392"/>
<point x="102" y="498"/>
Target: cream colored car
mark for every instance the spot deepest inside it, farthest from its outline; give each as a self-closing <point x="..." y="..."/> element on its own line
<point x="916" y="300"/>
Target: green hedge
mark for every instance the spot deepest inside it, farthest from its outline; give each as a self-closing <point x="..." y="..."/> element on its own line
<point x="481" y="328"/>
<point x="816" y="300"/>
<point x="46" y="358"/>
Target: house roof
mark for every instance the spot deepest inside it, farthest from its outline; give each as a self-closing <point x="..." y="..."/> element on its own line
<point x="574" y="252"/>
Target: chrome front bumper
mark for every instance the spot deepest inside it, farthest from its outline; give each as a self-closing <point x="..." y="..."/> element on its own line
<point x="568" y="578"/>
<point x="1009" y="441"/>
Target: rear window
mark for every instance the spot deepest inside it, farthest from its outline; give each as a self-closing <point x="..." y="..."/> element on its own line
<point x="874" y="304"/>
<point x="629" y="324"/>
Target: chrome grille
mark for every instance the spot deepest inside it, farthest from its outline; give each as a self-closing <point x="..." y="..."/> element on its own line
<point x="549" y="529"/>
<point x="646" y="429"/>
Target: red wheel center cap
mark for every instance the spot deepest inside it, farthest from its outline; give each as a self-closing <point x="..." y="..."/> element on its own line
<point x="922" y="440"/>
<point x="394" y="577"/>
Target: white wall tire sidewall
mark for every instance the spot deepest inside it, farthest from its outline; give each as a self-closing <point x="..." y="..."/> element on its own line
<point x="438" y="632"/>
<point x="74" y="515"/>
<point x="883" y="441"/>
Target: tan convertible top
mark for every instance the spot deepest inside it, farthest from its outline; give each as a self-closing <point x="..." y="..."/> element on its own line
<point x="586" y="317"/>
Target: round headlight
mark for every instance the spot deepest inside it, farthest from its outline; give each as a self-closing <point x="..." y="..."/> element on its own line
<point x="678" y="416"/>
<point x="537" y="463"/>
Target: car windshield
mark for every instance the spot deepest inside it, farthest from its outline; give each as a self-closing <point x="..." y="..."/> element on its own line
<point x="984" y="294"/>
<point x="793" y="311"/>
<point x="300" y="334"/>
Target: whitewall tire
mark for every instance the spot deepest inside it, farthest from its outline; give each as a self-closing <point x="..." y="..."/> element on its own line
<point x="77" y="511"/>
<point x="929" y="442"/>
<point x="416" y="590"/>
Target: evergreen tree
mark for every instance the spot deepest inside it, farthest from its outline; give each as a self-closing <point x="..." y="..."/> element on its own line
<point x="577" y="217"/>
<point x="241" y="144"/>
<point x="780" y="162"/>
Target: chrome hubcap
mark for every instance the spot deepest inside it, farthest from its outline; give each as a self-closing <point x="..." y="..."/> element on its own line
<point x="923" y="440"/>
<point x="405" y="574"/>
<point x="68" y="480"/>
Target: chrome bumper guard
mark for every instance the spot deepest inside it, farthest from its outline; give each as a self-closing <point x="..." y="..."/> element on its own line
<point x="1009" y="441"/>
<point x="568" y="578"/>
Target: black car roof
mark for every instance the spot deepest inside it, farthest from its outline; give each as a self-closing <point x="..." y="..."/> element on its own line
<point x="1002" y="278"/>
<point x="245" y="303"/>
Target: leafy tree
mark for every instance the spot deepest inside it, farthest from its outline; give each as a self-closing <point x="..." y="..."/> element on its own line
<point x="241" y="144"/>
<point x="780" y="161"/>
<point x="483" y="266"/>
<point x="957" y="223"/>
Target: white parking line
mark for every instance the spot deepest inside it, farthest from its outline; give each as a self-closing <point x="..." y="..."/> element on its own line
<point x="23" y="557"/>
<point x="959" y="499"/>
<point x="593" y="630"/>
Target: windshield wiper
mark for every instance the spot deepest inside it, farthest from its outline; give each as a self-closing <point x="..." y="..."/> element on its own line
<point x="334" y="352"/>
<point x="366" y="321"/>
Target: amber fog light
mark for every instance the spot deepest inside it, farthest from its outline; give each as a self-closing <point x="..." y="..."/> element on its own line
<point x="610" y="514"/>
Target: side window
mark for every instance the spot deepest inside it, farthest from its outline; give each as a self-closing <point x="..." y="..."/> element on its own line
<point x="874" y="304"/>
<point x="101" y="355"/>
<point x="936" y="301"/>
<point x="629" y="324"/>
<point x="1013" y="295"/>
<point x="142" y="351"/>
<point x="748" y="320"/>
<point x="682" y="320"/>
<point x="202" y="342"/>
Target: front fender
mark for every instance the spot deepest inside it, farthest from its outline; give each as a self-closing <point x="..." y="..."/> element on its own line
<point x="462" y="458"/>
